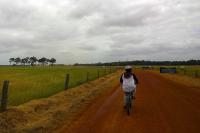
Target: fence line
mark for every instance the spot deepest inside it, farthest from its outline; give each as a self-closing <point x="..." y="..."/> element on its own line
<point x="87" y="76"/>
<point x="4" y="100"/>
<point x="192" y="73"/>
<point x="68" y="83"/>
<point x="188" y="72"/>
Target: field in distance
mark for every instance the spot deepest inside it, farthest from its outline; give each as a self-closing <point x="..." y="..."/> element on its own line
<point x="27" y="83"/>
<point x="193" y="71"/>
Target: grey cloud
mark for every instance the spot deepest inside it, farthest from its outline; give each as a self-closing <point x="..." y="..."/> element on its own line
<point x="106" y="30"/>
<point x="132" y="16"/>
<point x="14" y="15"/>
<point x="2" y="51"/>
<point x="120" y="15"/>
<point x="164" y="52"/>
<point x="87" y="48"/>
<point x="126" y="39"/>
<point x="84" y="8"/>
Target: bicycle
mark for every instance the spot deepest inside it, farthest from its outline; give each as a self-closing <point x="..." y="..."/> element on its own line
<point x="128" y="102"/>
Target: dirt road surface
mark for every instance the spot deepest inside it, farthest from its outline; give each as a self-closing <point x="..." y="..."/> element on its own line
<point x="161" y="106"/>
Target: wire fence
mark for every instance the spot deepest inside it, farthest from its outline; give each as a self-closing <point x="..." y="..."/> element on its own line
<point x="28" y="83"/>
<point x="189" y="72"/>
<point x="192" y="71"/>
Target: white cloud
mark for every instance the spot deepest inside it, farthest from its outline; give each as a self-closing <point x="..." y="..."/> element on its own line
<point x="100" y="30"/>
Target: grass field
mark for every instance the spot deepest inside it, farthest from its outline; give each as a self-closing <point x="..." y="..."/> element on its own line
<point x="27" y="83"/>
<point x="193" y="71"/>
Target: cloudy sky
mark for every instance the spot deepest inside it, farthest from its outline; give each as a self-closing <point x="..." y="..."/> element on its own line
<point x="100" y="30"/>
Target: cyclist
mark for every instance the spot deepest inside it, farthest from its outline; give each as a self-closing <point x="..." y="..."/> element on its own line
<point x="128" y="81"/>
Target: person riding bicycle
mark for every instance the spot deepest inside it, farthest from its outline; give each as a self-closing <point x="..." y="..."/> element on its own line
<point x="128" y="81"/>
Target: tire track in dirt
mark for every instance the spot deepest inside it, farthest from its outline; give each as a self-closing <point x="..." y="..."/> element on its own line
<point x="161" y="106"/>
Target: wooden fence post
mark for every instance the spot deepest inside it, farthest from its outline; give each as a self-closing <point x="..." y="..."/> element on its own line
<point x="4" y="100"/>
<point x="98" y="75"/>
<point x="196" y="74"/>
<point x="87" y="78"/>
<point x="67" y="82"/>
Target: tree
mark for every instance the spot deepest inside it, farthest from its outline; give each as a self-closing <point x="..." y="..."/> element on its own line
<point x="48" y="61"/>
<point x="17" y="60"/>
<point x="40" y="61"/>
<point x="76" y="64"/>
<point x="11" y="60"/>
<point x="27" y="60"/>
<point x="23" y="61"/>
<point x="43" y="61"/>
<point x="52" y="61"/>
<point x="33" y="60"/>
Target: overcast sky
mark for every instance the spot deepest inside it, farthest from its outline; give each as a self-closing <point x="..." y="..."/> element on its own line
<point x="86" y="31"/>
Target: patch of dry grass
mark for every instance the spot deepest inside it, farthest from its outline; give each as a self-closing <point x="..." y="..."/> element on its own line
<point x="45" y="115"/>
<point x="183" y="79"/>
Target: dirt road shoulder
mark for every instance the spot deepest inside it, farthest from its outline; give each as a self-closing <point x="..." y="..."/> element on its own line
<point x="47" y="114"/>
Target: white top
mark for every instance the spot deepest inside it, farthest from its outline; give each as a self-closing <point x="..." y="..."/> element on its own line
<point x="128" y="84"/>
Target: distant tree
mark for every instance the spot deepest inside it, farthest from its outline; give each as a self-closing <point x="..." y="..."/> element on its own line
<point x="23" y="61"/>
<point x="11" y="60"/>
<point x="40" y="61"/>
<point x="33" y="60"/>
<point x="17" y="60"/>
<point x="145" y="63"/>
<point x="47" y="61"/>
<point x="43" y="61"/>
<point x="76" y="64"/>
<point x="27" y="59"/>
<point x="52" y="61"/>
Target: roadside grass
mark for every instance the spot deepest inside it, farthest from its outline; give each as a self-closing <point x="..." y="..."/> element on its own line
<point x="50" y="114"/>
<point x="187" y="75"/>
<point x="192" y="71"/>
<point x="27" y="83"/>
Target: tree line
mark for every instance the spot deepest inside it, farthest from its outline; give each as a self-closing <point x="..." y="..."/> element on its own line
<point x="144" y="63"/>
<point x="31" y="61"/>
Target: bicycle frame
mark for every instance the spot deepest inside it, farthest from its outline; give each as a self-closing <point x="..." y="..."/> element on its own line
<point x="128" y="96"/>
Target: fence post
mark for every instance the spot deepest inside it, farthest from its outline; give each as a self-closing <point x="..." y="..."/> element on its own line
<point x="98" y="74"/>
<point x="105" y="71"/>
<point x="87" y="78"/>
<point x="196" y="74"/>
<point x="184" y="72"/>
<point x="67" y="82"/>
<point x="4" y="100"/>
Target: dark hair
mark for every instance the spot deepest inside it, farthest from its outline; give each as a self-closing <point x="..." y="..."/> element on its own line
<point x="128" y="70"/>
<point x="128" y="73"/>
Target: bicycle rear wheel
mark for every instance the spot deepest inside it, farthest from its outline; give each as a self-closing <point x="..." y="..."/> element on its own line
<point x="129" y="106"/>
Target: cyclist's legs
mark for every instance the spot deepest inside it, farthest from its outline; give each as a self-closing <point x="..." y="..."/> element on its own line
<point x="126" y="96"/>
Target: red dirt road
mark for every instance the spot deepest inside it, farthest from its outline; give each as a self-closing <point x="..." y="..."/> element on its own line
<point x="162" y="106"/>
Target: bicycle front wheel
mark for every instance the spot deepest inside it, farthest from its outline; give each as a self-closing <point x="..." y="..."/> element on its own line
<point x="129" y="106"/>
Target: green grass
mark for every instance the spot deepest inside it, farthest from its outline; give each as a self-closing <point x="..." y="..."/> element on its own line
<point x="27" y="83"/>
<point x="193" y="71"/>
